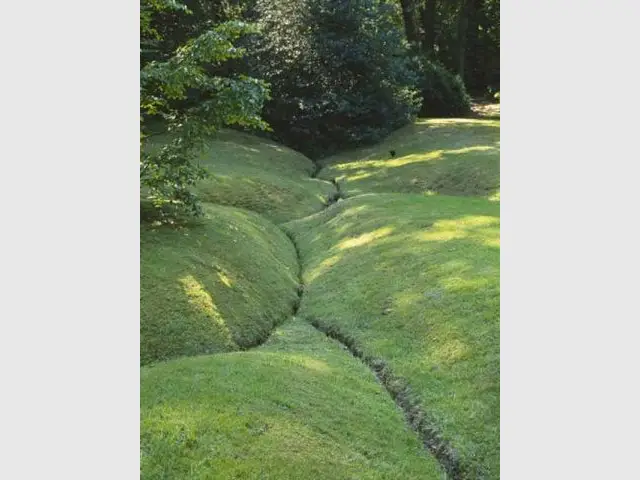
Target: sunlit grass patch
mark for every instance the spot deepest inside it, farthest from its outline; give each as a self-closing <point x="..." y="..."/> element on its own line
<point x="259" y="175"/>
<point x="410" y="273"/>
<point x="445" y="156"/>
<point x="217" y="285"/>
<point x="297" y="408"/>
<point x="418" y="287"/>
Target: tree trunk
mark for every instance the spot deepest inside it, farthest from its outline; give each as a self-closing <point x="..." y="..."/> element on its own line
<point x="463" y="21"/>
<point x="428" y="17"/>
<point x="473" y="65"/>
<point x="410" y="23"/>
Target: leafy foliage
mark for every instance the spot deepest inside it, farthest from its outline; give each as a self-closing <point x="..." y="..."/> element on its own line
<point x="338" y="71"/>
<point x="443" y="93"/>
<point x="174" y="23"/>
<point x="167" y="175"/>
<point x="463" y="35"/>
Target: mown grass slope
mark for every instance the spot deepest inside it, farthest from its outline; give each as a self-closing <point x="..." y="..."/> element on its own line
<point x="216" y="285"/>
<point x="411" y="275"/>
<point x="257" y="174"/>
<point x="415" y="281"/>
<point x="434" y="156"/>
<point x="296" y="408"/>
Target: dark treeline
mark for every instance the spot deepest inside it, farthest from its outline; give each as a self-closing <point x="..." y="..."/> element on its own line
<point x="318" y="75"/>
<point x="464" y="35"/>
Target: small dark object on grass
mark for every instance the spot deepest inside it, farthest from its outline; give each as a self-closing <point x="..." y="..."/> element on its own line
<point x="393" y="153"/>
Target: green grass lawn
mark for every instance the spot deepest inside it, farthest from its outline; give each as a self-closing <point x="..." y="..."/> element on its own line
<point x="296" y="408"/>
<point x="259" y="175"/>
<point x="218" y="285"/>
<point x="408" y="267"/>
<point x="435" y="156"/>
<point x="415" y="280"/>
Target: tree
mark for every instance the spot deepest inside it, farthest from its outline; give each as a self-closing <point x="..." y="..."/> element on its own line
<point x="168" y="173"/>
<point x="338" y="69"/>
<point x="428" y="17"/>
<point x="463" y="23"/>
<point x="462" y="35"/>
<point x="409" y="8"/>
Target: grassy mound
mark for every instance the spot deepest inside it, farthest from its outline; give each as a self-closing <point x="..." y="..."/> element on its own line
<point x="296" y="408"/>
<point x="415" y="281"/>
<point x="406" y="270"/>
<point x="262" y="176"/>
<point x="218" y="285"/>
<point x="259" y="175"/>
<point x="449" y="157"/>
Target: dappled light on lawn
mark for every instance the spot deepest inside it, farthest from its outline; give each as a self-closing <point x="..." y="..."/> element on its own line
<point x="319" y="299"/>
<point x="297" y="407"/>
<point x="256" y="174"/>
<point x="419" y="287"/>
<point x="213" y="287"/>
<point x="448" y="156"/>
<point x="365" y="238"/>
<point x="479" y="228"/>
<point x="406" y="264"/>
<point x="323" y="267"/>
<point x="201" y="300"/>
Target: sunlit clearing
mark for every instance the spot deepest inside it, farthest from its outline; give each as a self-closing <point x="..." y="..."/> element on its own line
<point x="365" y="238"/>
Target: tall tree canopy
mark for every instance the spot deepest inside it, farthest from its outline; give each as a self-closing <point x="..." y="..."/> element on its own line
<point x="463" y="35"/>
<point x="339" y="71"/>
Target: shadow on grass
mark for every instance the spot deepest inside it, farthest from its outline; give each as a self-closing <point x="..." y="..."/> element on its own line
<point x="418" y="286"/>
<point x="445" y="156"/>
<point x="296" y="408"/>
<point x="216" y="286"/>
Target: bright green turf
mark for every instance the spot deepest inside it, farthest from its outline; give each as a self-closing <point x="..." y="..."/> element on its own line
<point x="444" y="156"/>
<point x="297" y="408"/>
<point x="213" y="287"/>
<point x="415" y="280"/>
<point x="259" y="175"/>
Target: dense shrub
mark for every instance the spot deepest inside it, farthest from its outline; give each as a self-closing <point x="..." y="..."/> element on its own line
<point x="339" y="72"/>
<point x="443" y="93"/>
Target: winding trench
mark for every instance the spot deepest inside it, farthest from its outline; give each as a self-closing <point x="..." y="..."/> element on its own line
<point x="397" y="387"/>
<point x="400" y="391"/>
